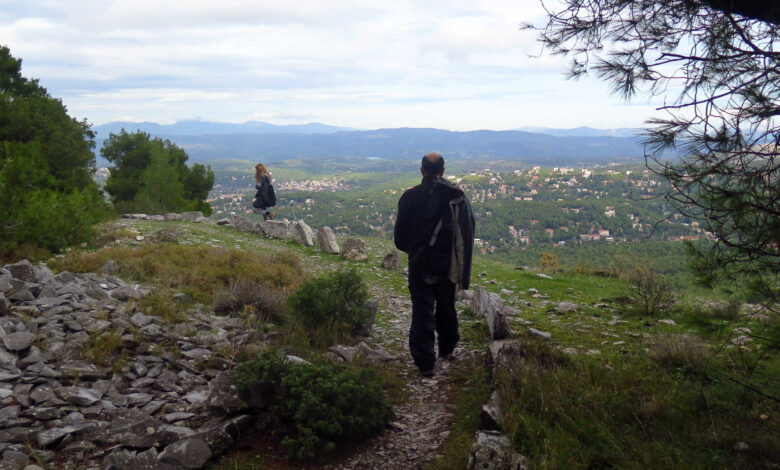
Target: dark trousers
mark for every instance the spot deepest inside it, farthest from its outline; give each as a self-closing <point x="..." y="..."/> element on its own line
<point x="433" y="309"/>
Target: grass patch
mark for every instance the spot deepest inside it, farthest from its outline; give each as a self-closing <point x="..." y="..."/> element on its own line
<point x="250" y="300"/>
<point x="682" y="352"/>
<point x="160" y="303"/>
<point x="106" y="350"/>
<point x="575" y="412"/>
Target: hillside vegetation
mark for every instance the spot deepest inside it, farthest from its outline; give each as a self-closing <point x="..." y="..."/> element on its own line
<point x="692" y="386"/>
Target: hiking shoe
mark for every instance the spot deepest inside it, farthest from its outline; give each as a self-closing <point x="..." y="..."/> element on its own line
<point x="427" y="372"/>
<point x="271" y="215"/>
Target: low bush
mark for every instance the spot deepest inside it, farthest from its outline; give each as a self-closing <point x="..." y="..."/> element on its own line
<point x="334" y="303"/>
<point x="323" y="404"/>
<point x="652" y="291"/>
<point x="548" y="262"/>
<point x="250" y="298"/>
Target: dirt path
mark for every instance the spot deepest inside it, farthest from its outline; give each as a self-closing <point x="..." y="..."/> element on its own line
<point x="422" y="422"/>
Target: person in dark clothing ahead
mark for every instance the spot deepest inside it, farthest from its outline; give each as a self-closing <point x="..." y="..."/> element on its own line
<point x="265" y="196"/>
<point x="435" y="227"/>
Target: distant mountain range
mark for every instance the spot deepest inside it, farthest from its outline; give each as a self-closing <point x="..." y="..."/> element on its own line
<point x="208" y="141"/>
<point x="584" y="132"/>
<point x="192" y="128"/>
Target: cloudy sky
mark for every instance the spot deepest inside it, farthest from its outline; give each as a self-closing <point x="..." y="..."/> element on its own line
<point x="458" y="65"/>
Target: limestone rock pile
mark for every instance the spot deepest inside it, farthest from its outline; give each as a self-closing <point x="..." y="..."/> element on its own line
<point x="167" y="403"/>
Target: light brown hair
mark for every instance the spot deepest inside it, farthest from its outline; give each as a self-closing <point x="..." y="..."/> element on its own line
<point x="260" y="172"/>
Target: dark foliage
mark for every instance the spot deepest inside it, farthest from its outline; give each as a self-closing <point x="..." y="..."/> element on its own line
<point x="47" y="195"/>
<point x="324" y="403"/>
<point x="151" y="175"/>
<point x="717" y="63"/>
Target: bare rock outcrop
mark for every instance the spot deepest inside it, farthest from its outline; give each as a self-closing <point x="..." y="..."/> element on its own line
<point x="157" y="409"/>
<point x="489" y="305"/>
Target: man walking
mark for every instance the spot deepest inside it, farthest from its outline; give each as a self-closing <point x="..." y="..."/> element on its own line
<point x="435" y="227"/>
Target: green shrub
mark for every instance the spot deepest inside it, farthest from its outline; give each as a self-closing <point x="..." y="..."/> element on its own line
<point x="323" y="404"/>
<point x="335" y="301"/>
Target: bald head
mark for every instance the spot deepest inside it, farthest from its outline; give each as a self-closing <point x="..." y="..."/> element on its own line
<point x="432" y="164"/>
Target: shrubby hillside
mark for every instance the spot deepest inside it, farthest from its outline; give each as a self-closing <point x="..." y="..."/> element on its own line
<point x="49" y="199"/>
<point x="47" y="196"/>
<point x="163" y="316"/>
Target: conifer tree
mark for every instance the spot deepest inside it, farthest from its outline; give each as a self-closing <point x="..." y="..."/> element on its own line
<point x="151" y="175"/>
<point x="716" y="64"/>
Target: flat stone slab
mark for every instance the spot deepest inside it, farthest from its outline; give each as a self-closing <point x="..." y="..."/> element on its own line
<point x="18" y="341"/>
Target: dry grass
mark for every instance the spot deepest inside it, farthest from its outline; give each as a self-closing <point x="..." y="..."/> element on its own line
<point x="681" y="351"/>
<point x="200" y="271"/>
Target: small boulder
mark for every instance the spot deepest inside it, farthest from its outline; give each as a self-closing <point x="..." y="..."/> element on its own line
<point x="303" y="234"/>
<point x="222" y="398"/>
<point x="493" y="451"/>
<point x="326" y="241"/>
<point x="275" y="228"/>
<point x="392" y="260"/>
<point x="566" y="307"/>
<point x="18" y="341"/>
<point x="491" y="417"/>
<point x="543" y="335"/>
<point x="187" y="453"/>
<point x="23" y="270"/>
<point x="126" y="293"/>
<point x="191" y="215"/>
<point x="355" y="249"/>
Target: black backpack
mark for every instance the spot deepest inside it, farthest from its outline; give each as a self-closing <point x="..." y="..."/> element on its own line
<point x="265" y="196"/>
<point x="269" y="195"/>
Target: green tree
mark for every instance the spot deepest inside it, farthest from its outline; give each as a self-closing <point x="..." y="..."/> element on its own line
<point x="717" y="66"/>
<point x="47" y="195"/>
<point x="151" y="175"/>
<point x="160" y="188"/>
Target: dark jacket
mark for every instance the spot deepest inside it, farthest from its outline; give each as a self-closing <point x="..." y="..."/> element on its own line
<point x="419" y="211"/>
<point x="260" y="201"/>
